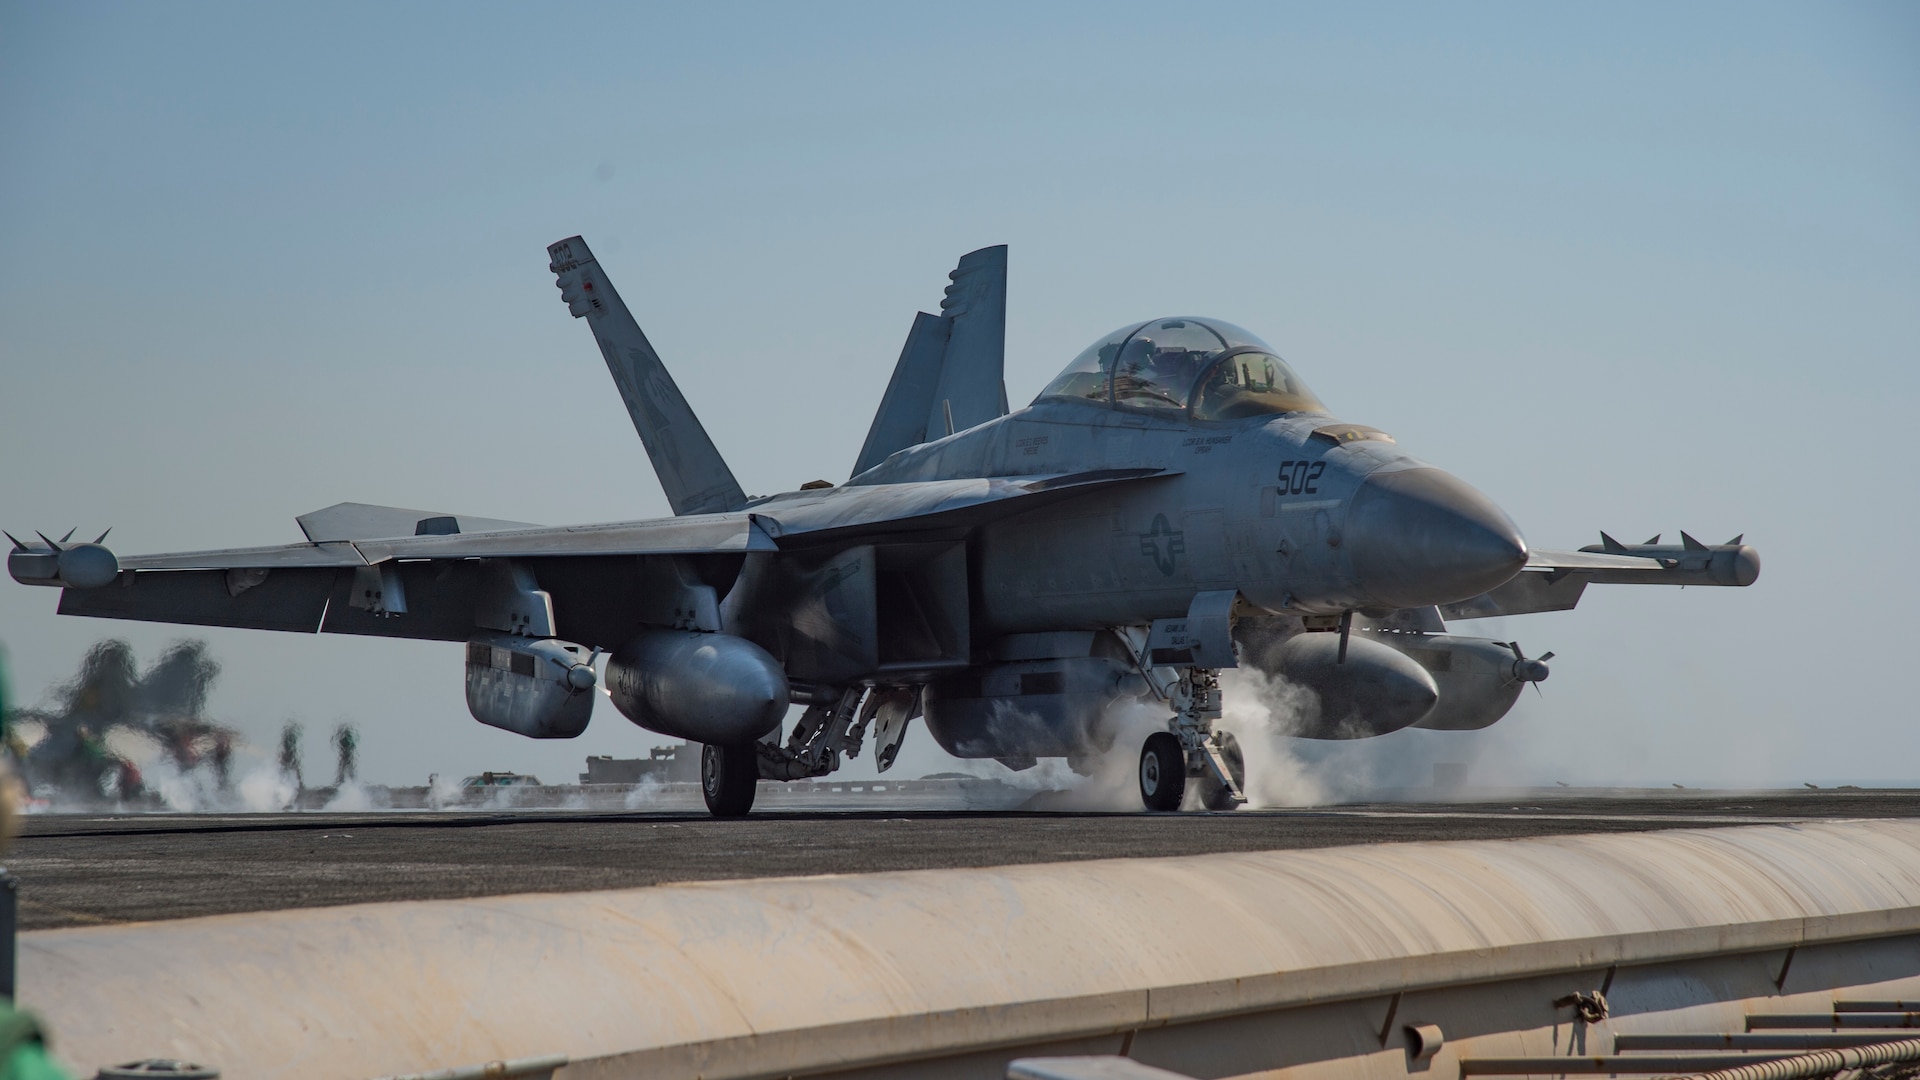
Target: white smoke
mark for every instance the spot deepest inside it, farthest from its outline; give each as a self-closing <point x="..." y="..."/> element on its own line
<point x="502" y="797"/>
<point x="1112" y="779"/>
<point x="139" y="747"/>
<point x="1103" y="778"/>
<point x="30" y="733"/>
<point x="183" y="793"/>
<point x="350" y="797"/>
<point x="443" y="792"/>
<point x="263" y="789"/>
<point x="645" y="794"/>
<point x="1258" y="711"/>
<point x="1261" y="712"/>
<point x="267" y="790"/>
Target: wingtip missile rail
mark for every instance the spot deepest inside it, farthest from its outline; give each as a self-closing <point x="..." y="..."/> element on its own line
<point x="1689" y="562"/>
<point x="62" y="563"/>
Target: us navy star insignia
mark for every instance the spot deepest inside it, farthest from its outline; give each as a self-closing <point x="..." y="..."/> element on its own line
<point x="1164" y="544"/>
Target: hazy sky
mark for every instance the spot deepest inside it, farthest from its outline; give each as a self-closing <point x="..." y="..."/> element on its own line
<point x="1632" y="267"/>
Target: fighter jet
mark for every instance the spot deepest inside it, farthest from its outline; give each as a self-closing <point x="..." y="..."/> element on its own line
<point x="1175" y="503"/>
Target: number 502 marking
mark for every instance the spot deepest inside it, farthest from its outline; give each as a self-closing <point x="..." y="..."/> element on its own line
<point x="1301" y="477"/>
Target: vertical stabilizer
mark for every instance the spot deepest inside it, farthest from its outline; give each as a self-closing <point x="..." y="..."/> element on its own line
<point x="951" y="372"/>
<point x="973" y="374"/>
<point x="904" y="409"/>
<point x="696" y="479"/>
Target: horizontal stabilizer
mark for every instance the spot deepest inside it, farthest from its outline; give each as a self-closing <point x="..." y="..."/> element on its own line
<point x="363" y="521"/>
<point x="696" y="478"/>
<point x="951" y="372"/>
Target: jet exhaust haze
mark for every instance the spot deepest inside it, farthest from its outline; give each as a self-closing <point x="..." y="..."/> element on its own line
<point x="115" y="736"/>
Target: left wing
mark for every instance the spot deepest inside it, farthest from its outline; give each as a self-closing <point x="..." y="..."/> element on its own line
<point x="802" y="519"/>
<point x="430" y="585"/>
<point x="1554" y="580"/>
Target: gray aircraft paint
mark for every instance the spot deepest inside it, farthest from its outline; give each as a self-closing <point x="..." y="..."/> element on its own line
<point x="948" y="566"/>
<point x="695" y="477"/>
<point x="1131" y="556"/>
<point x="951" y="372"/>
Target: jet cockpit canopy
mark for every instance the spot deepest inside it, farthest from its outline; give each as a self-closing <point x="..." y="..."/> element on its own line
<point x="1204" y="368"/>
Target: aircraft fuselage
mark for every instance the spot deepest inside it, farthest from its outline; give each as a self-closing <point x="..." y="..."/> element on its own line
<point x="1265" y="506"/>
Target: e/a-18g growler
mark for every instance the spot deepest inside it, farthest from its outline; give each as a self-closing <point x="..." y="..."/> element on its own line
<point x="1176" y="502"/>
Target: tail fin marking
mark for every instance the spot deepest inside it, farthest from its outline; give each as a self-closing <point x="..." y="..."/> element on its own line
<point x="691" y="470"/>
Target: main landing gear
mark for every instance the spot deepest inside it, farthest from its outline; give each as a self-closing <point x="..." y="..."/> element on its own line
<point x="1191" y="748"/>
<point x="1163" y="772"/>
<point x="830" y="730"/>
<point x="729" y="778"/>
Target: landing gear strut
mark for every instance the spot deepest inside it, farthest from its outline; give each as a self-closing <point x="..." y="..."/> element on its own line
<point x="729" y="778"/>
<point x="1215" y="795"/>
<point x="1190" y="747"/>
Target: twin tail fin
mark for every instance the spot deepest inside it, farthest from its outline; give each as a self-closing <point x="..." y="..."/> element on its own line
<point x="696" y="478"/>
<point x="951" y="372"/>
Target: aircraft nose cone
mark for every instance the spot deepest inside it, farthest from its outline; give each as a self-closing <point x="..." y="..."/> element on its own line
<point x="1421" y="536"/>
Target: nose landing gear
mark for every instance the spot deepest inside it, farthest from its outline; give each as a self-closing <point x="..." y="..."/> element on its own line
<point x="1191" y="748"/>
<point x="1224" y="787"/>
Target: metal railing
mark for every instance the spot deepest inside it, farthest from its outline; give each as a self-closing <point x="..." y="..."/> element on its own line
<point x="1775" y="1046"/>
